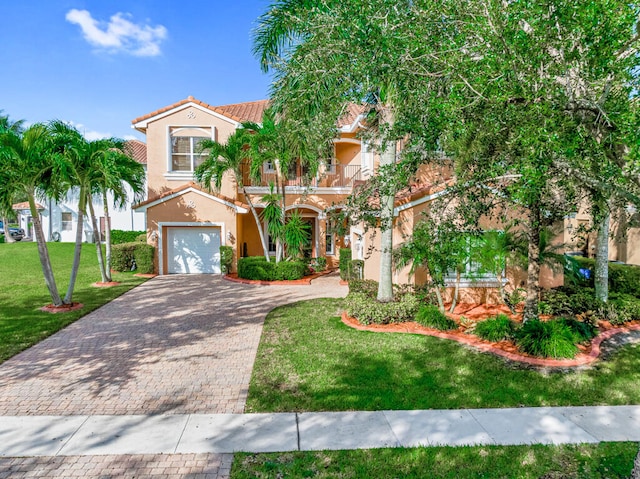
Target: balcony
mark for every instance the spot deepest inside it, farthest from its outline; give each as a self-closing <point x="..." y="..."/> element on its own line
<point x="334" y="176"/>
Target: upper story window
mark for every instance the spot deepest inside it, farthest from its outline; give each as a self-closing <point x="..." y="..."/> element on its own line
<point x="184" y="150"/>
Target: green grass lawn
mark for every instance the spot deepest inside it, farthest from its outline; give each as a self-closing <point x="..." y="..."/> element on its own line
<point x="606" y="460"/>
<point x="308" y="360"/>
<point x="23" y="292"/>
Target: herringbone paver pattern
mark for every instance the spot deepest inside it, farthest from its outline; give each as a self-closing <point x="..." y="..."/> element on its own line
<point x="192" y="466"/>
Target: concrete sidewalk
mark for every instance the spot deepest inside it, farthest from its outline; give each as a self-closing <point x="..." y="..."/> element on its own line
<point x="228" y="433"/>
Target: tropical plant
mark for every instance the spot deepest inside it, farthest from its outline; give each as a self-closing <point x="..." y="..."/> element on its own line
<point x="229" y="157"/>
<point x="27" y="164"/>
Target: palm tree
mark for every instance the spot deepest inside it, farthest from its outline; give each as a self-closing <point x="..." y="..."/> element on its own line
<point x="114" y="171"/>
<point x="339" y="69"/>
<point x="27" y="163"/>
<point x="225" y="158"/>
<point x="271" y="144"/>
<point x="5" y="209"/>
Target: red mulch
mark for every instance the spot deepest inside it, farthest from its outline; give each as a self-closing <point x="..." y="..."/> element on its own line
<point x="474" y="312"/>
<point x="64" y="308"/>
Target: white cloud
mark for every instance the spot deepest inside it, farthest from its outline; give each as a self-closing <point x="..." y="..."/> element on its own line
<point x="119" y="34"/>
<point x="89" y="134"/>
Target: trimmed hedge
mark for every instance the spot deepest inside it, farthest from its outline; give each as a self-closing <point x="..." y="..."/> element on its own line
<point x="368" y="311"/>
<point x="258" y="268"/>
<point x="226" y="258"/>
<point x="121" y="237"/>
<point x="132" y="256"/>
<point x="345" y="263"/>
<point x="623" y="278"/>
<point x="143" y="254"/>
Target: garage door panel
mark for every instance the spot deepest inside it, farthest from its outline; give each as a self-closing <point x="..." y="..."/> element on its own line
<point x="193" y="250"/>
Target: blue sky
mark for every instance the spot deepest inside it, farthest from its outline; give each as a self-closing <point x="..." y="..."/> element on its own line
<point x="99" y="64"/>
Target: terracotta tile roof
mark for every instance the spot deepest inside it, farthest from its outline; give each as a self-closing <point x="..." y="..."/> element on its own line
<point x="247" y="111"/>
<point x="25" y="206"/>
<point x="196" y="186"/>
<point x="138" y="150"/>
<point x="352" y="113"/>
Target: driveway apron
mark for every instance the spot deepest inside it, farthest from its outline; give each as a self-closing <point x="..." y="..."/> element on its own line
<point x="177" y="344"/>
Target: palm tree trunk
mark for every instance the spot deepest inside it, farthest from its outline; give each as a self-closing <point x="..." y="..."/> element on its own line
<point x="7" y="235"/>
<point x="96" y="239"/>
<point x="533" y="269"/>
<point x="107" y="235"/>
<point x="263" y="240"/>
<point x="78" y="247"/>
<point x="43" y="253"/>
<point x="635" y="473"/>
<point x="601" y="279"/>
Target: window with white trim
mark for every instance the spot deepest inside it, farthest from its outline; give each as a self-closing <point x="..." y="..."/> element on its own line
<point x="185" y="147"/>
<point x="330" y="242"/>
<point x="472" y="272"/>
<point x="66" y="221"/>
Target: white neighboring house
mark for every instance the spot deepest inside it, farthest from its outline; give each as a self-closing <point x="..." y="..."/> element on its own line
<point x="59" y="219"/>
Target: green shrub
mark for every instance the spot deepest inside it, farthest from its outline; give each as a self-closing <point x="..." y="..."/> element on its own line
<point x="122" y="256"/>
<point x="258" y="268"/>
<point x="120" y="236"/>
<point x="1" y="238"/>
<point x="318" y="264"/>
<point x="368" y="311"/>
<point x="143" y="254"/>
<point x="356" y="269"/>
<point x="580" y="330"/>
<point x="500" y="328"/>
<point x="226" y="258"/>
<point x="431" y="317"/>
<point x="622" y="308"/>
<point x="345" y="262"/>
<point x="551" y="339"/>
<point x="557" y="302"/>
<point x="623" y="278"/>
<point x="290" y="270"/>
<point x="367" y="286"/>
<point x="583" y="300"/>
<point x="142" y="238"/>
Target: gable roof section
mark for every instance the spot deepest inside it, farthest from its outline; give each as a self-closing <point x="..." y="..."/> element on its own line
<point x="234" y="113"/>
<point x="240" y="112"/>
<point x="192" y="187"/>
<point x="25" y="206"/>
<point x="138" y="151"/>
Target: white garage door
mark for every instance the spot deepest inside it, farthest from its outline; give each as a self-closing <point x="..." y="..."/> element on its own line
<point x="193" y="250"/>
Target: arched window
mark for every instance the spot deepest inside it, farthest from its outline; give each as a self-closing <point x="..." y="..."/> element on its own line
<point x="185" y="147"/>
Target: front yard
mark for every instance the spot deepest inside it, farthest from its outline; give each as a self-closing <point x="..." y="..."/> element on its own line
<point x="308" y="360"/>
<point x="23" y="292"/>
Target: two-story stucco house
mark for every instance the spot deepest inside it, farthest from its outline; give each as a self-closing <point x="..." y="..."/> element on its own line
<point x="188" y="223"/>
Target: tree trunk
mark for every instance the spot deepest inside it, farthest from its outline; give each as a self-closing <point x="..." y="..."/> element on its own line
<point x="96" y="239"/>
<point x="387" y="157"/>
<point x="456" y="292"/>
<point x="635" y="473"/>
<point x="43" y="252"/>
<point x="533" y="269"/>
<point x="263" y="240"/>
<point x="78" y="247"/>
<point x="107" y="236"/>
<point x="7" y="235"/>
<point x="601" y="279"/>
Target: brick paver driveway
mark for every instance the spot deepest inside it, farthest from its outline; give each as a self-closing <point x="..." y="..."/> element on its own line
<point x="174" y="345"/>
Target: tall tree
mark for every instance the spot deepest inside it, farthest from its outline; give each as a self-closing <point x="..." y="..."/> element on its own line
<point x="230" y="157"/>
<point x="6" y="125"/>
<point x="27" y="163"/>
<point x="327" y="55"/>
<point x="116" y="174"/>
